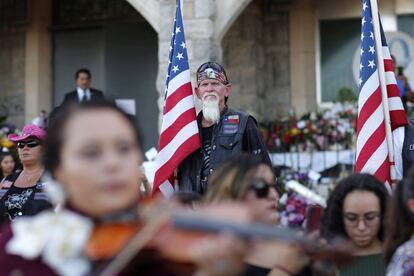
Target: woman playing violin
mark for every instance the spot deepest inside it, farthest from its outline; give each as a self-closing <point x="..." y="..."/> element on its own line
<point x="93" y="151"/>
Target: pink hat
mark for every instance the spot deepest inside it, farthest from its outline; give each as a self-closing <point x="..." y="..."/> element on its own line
<point x="30" y="130"/>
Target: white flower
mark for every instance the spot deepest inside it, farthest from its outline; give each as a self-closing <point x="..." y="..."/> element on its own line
<point x="58" y="238"/>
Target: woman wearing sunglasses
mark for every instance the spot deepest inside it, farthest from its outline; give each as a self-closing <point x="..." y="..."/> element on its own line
<point x="246" y="179"/>
<point x="22" y="192"/>
<point x="355" y="211"/>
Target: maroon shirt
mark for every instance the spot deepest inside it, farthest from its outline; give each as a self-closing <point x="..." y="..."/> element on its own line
<point x="13" y="264"/>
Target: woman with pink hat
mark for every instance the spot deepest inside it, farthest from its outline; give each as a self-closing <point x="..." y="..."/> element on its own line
<point x="22" y="192"/>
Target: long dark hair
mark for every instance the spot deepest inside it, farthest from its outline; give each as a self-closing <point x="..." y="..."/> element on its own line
<point x="333" y="222"/>
<point x="57" y="124"/>
<point x="2" y="156"/>
<point x="400" y="220"/>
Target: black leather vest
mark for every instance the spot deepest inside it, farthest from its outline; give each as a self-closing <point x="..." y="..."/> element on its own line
<point x="226" y="140"/>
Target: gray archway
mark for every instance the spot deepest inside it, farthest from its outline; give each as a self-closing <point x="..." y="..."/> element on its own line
<point x="149" y="10"/>
<point x="227" y="12"/>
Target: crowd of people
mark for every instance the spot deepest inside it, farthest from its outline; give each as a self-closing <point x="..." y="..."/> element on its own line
<point x="75" y="207"/>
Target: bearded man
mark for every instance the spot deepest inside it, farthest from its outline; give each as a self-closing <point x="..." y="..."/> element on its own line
<point x="223" y="131"/>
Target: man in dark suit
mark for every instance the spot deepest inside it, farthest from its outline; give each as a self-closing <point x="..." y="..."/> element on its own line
<point x="83" y="91"/>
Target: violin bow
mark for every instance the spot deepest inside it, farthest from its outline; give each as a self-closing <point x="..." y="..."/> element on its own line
<point x="339" y="252"/>
<point x="191" y="221"/>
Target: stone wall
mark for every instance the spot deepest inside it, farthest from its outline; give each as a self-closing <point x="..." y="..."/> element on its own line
<point x="256" y="56"/>
<point x="12" y="75"/>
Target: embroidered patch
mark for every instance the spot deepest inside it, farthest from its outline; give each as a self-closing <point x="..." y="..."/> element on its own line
<point x="231" y="119"/>
<point x="6" y="184"/>
<point x="230" y="129"/>
<point x="230" y="124"/>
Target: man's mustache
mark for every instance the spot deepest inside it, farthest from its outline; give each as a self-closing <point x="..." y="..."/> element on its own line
<point x="210" y="94"/>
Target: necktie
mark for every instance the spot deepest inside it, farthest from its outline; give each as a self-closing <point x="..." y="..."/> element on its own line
<point x="84" y="97"/>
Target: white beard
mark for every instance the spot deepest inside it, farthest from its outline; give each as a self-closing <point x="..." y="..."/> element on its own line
<point x="211" y="110"/>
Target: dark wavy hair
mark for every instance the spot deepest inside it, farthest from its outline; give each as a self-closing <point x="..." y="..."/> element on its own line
<point x="333" y="222"/>
<point x="56" y="129"/>
<point x="400" y="220"/>
<point x="2" y="156"/>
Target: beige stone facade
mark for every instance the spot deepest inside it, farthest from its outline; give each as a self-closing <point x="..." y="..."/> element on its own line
<point x="270" y="49"/>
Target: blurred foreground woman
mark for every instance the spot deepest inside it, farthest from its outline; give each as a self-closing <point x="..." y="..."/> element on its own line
<point x="93" y="151"/>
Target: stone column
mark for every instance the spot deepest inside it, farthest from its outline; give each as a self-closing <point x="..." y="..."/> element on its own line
<point x="38" y="85"/>
<point x="302" y="56"/>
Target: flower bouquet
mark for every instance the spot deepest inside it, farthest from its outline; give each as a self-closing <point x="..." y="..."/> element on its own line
<point x="329" y="129"/>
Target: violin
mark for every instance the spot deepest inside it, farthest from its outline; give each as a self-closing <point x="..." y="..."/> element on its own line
<point x="118" y="246"/>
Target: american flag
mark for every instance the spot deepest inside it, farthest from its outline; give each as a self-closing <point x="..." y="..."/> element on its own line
<point x="179" y="130"/>
<point x="372" y="151"/>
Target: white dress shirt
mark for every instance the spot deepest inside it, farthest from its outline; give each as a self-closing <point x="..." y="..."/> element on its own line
<point x="82" y="92"/>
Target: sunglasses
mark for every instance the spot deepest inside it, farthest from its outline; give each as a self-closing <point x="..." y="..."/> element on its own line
<point x="262" y="188"/>
<point x="30" y="144"/>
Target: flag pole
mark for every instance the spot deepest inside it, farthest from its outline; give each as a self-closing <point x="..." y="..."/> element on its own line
<point x="381" y="73"/>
